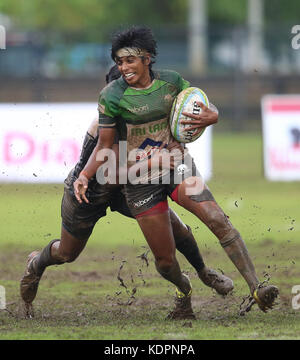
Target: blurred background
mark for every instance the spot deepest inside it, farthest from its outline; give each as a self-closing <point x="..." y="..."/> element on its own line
<point x="237" y="50"/>
<point x="52" y="66"/>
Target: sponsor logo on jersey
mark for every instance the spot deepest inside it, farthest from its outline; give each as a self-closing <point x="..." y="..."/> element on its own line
<point x="142" y="202"/>
<point x="151" y="129"/>
<point x="139" y="110"/>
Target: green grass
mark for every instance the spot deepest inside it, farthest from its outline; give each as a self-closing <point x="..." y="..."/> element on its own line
<point x="84" y="300"/>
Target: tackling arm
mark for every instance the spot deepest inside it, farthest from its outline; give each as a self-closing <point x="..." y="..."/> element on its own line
<point x="105" y="141"/>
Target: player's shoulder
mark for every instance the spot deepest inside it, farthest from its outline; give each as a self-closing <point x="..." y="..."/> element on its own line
<point x="113" y="91"/>
<point x="110" y="97"/>
<point x="169" y="76"/>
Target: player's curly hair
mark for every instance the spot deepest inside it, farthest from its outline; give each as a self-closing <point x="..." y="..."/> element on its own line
<point x="137" y="36"/>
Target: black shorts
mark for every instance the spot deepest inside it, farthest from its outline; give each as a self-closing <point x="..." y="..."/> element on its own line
<point x="143" y="197"/>
<point x="79" y="219"/>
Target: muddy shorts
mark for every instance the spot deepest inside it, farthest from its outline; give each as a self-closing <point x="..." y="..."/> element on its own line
<point x="79" y="219"/>
<point x="143" y="197"/>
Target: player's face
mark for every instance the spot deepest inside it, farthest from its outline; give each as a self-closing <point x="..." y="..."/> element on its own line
<point x="135" y="71"/>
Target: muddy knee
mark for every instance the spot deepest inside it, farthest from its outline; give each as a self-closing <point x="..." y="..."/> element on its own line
<point x="218" y="222"/>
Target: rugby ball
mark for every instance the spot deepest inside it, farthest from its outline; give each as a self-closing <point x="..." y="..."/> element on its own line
<point x="186" y="101"/>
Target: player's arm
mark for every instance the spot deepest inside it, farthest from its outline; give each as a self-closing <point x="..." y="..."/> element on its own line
<point x="208" y="116"/>
<point x="108" y="111"/>
<point x="105" y="141"/>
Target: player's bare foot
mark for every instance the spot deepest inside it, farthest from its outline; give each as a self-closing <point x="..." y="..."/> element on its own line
<point x="29" y="285"/>
<point x="221" y="283"/>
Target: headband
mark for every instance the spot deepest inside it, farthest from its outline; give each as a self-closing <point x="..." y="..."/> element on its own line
<point x="130" y="51"/>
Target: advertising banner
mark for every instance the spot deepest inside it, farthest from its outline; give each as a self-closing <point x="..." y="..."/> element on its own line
<point x="42" y="142"/>
<point x="281" y="137"/>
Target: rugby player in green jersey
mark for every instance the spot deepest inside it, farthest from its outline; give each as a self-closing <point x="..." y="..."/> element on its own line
<point x="138" y="105"/>
<point x="78" y="221"/>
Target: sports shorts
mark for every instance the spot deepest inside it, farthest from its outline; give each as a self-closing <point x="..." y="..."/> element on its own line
<point x="143" y="197"/>
<point x="79" y="219"/>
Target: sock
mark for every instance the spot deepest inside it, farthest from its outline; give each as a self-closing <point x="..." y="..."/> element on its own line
<point x="235" y="248"/>
<point x="45" y="259"/>
<point x="187" y="245"/>
<point x="175" y="276"/>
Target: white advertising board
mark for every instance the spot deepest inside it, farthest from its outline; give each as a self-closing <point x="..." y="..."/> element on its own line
<point x="281" y="137"/>
<point x="42" y="142"/>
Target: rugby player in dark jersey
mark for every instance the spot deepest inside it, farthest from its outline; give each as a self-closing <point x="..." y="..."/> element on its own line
<point x="78" y="221"/>
<point x="138" y="105"/>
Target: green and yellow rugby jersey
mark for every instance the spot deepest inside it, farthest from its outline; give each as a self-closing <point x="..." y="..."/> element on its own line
<point x="141" y="115"/>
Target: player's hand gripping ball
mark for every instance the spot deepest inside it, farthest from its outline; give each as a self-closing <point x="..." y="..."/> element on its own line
<point x="186" y="102"/>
